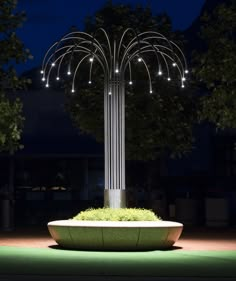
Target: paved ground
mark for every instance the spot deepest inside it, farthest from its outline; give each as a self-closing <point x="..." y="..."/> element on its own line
<point x="192" y="238"/>
<point x="199" y="239"/>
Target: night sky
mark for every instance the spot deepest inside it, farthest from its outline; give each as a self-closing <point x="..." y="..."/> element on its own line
<point x="48" y="20"/>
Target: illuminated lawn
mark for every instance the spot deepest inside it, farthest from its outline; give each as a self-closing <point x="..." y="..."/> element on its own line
<point x="172" y="263"/>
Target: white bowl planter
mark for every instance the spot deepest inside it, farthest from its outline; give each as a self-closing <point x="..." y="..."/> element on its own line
<point x="115" y="235"/>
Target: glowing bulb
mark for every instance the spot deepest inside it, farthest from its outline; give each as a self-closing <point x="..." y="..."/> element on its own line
<point x="183" y="79"/>
<point x="150" y="91"/>
<point x="91" y="59"/>
<point x="53" y="64"/>
<point x="90" y="82"/>
<point x="72" y="90"/>
<point x="159" y="72"/>
<point x="182" y="86"/>
<point x="58" y="78"/>
<point x="174" y="64"/>
<point x="42" y="72"/>
<point x="43" y="79"/>
<point x="109" y="93"/>
<point x="139" y="59"/>
<point x="116" y="70"/>
<point x="130" y="82"/>
<point x="186" y="71"/>
<point x="68" y="72"/>
<point x="168" y="79"/>
<point x="47" y="85"/>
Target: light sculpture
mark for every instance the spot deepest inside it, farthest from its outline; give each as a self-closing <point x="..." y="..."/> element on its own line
<point x="116" y="59"/>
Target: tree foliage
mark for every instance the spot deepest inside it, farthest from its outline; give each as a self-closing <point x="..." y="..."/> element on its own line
<point x="154" y="123"/>
<point x="12" y="52"/>
<point x="11" y="123"/>
<point x="216" y="66"/>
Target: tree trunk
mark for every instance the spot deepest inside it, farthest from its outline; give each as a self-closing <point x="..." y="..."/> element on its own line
<point x="8" y="202"/>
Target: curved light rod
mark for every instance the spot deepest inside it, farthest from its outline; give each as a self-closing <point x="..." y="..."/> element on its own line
<point x="171" y="45"/>
<point x="139" y="50"/>
<point x="76" y="69"/>
<point x="122" y="38"/>
<point x="78" y="46"/>
<point x="51" y="67"/>
<point x="107" y="39"/>
<point x="114" y="58"/>
<point x="146" y="49"/>
<point x="158" y="36"/>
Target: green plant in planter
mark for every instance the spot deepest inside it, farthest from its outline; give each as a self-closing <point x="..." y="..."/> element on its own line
<point x="120" y="214"/>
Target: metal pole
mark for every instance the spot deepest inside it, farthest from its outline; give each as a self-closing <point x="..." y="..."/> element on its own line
<point x="114" y="61"/>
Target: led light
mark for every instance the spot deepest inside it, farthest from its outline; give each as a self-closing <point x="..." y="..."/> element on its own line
<point x="42" y="72"/>
<point x="139" y="59"/>
<point x="53" y="64"/>
<point x="43" y="79"/>
<point x="186" y="71"/>
<point x="91" y="59"/>
<point x="174" y="64"/>
<point x="109" y="93"/>
<point x="150" y="91"/>
<point x="58" y="78"/>
<point x="130" y="82"/>
<point x="90" y="82"/>
<point x="116" y="70"/>
<point x="47" y="85"/>
<point x="160" y="72"/>
<point x="68" y="72"/>
<point x="72" y="90"/>
<point x="168" y="79"/>
<point x="183" y="79"/>
<point x="182" y="86"/>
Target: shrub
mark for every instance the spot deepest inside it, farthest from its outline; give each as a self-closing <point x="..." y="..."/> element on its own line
<point x="122" y="214"/>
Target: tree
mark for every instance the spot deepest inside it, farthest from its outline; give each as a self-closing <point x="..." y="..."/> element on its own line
<point x="216" y="66"/>
<point x="154" y="123"/>
<point x="12" y="52"/>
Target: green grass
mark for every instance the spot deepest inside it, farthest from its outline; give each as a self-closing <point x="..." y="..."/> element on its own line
<point x="172" y="263"/>
<point x="120" y="214"/>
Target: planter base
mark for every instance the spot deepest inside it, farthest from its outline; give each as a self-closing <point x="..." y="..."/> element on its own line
<point x="109" y="235"/>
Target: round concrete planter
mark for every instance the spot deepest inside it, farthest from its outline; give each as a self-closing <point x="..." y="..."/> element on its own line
<point x="118" y="235"/>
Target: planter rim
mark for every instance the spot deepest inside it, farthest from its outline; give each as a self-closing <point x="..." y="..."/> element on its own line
<point x="129" y="224"/>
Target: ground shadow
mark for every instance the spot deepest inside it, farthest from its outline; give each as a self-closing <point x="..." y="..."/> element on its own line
<point x="58" y="247"/>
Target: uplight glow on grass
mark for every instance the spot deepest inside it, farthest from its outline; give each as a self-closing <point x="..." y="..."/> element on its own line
<point x="173" y="263"/>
